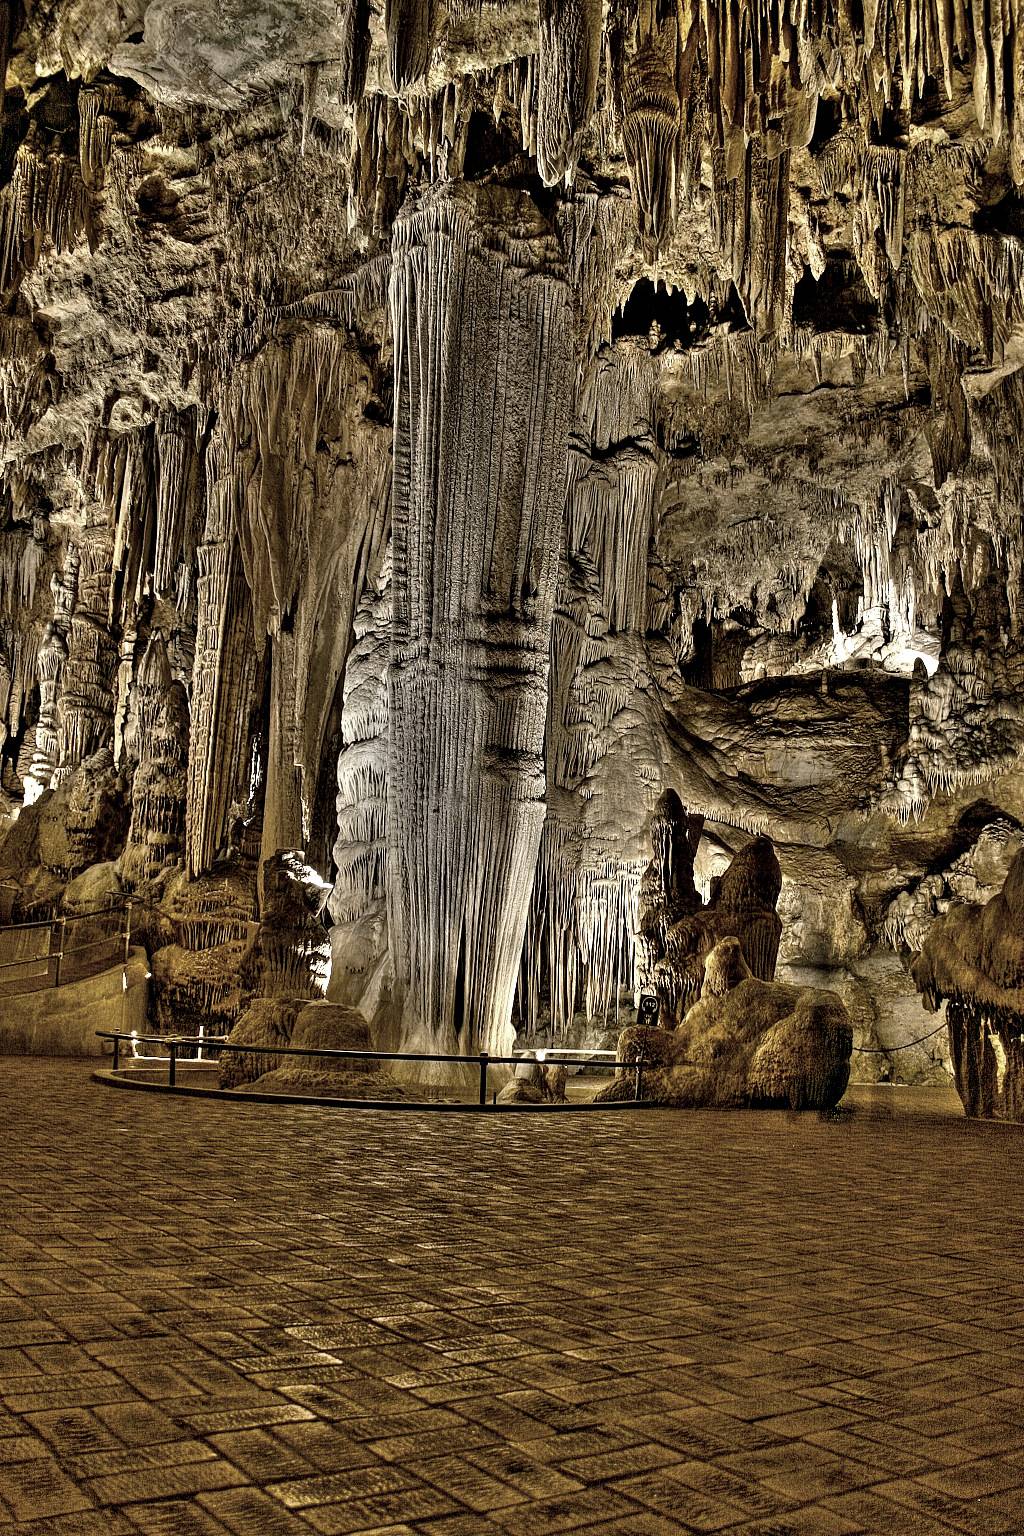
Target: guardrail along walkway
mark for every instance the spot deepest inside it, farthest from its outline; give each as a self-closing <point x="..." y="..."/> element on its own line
<point x="52" y="953"/>
<point x="177" y="1049"/>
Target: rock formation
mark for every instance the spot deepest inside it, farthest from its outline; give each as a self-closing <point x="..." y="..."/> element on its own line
<point x="285" y="964"/>
<point x="426" y="432"/>
<point x="319" y="1026"/>
<point x="534" y="1082"/>
<point x="677" y="932"/>
<point x="973" y="958"/>
<point x="744" y="1043"/>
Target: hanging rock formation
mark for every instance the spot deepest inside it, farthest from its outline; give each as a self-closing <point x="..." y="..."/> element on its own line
<point x="973" y="958"/>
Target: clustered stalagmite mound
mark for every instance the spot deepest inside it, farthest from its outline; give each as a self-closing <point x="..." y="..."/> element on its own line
<point x="677" y="931"/>
<point x="426" y="431"/>
<point x="744" y="1044"/>
<point x="729" y="1035"/>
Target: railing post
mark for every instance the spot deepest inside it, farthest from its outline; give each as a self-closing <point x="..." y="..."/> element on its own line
<point x="172" y="1064"/>
<point x="483" y="1079"/>
<point x="127" y="931"/>
<point x="62" y="930"/>
<point x="117" y="1053"/>
<point x="639" y="1076"/>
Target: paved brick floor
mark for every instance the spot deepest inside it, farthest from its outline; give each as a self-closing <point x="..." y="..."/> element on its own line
<point x="229" y="1318"/>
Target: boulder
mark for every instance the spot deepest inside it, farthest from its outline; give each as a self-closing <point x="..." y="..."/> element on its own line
<point x="535" y="1083"/>
<point x="266" y="1022"/>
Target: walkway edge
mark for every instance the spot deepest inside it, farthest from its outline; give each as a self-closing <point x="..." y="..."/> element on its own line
<point x="115" y="1080"/>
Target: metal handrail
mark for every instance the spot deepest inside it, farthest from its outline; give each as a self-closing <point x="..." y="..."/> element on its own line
<point x="483" y="1061"/>
<point x="56" y="928"/>
<point x="73" y="917"/>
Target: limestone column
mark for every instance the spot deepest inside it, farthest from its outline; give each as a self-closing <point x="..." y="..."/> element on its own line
<point x="484" y="384"/>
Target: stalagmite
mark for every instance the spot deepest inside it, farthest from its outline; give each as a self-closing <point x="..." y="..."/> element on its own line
<point x="974" y="957"/>
<point x="744" y="1042"/>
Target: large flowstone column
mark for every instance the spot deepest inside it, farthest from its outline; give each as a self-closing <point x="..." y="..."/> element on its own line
<point x="484" y="379"/>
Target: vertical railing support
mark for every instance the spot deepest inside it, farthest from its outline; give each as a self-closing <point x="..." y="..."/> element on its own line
<point x="61" y="934"/>
<point x="483" y="1079"/>
<point x="127" y="931"/>
<point x="117" y="1053"/>
<point x="639" y="1076"/>
<point x="172" y="1064"/>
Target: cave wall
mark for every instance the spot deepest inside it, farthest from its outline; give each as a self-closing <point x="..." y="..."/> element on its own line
<point x="426" y="434"/>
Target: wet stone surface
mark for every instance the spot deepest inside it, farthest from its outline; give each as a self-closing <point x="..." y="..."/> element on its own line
<point x="226" y="1318"/>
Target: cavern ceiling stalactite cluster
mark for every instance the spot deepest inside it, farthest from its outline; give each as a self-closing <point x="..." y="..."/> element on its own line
<point x="427" y="432"/>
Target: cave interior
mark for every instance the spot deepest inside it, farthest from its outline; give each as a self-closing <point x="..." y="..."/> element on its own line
<point x="431" y="435"/>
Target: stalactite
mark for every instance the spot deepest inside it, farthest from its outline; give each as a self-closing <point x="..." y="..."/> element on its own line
<point x="95" y="135"/>
<point x="410" y="26"/>
<point x="650" y="136"/>
<point x="223" y="680"/>
<point x="157" y="831"/>
<point x="86" y="705"/>
<point x="570" y="49"/>
<point x="303" y="563"/>
<point x="752" y="223"/>
<point x="176" y="487"/>
<point x="358" y="901"/>
<point x="45" y="196"/>
<point x="354" y="49"/>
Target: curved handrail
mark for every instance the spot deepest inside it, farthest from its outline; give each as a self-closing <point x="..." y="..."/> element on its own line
<point x="483" y="1061"/>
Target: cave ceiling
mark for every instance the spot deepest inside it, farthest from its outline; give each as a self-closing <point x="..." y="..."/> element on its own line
<point x="428" y="431"/>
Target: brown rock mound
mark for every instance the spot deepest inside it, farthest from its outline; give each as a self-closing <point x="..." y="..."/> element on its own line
<point x="753" y="1044"/>
<point x="329" y="1026"/>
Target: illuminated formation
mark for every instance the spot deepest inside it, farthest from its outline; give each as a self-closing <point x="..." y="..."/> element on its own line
<point x="440" y="443"/>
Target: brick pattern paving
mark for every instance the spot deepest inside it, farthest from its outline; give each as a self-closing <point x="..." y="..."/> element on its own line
<point x="220" y="1318"/>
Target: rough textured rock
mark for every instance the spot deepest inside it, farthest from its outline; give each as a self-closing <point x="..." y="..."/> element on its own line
<point x="678" y="933"/>
<point x="332" y="1027"/>
<point x="973" y="958"/>
<point x="267" y="1021"/>
<point x="200" y="934"/>
<point x="745" y="1043"/>
<point x="533" y="1082"/>
<point x="427" y="432"/>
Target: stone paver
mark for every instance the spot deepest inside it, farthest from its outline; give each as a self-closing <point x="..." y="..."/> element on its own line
<point x="278" y="1321"/>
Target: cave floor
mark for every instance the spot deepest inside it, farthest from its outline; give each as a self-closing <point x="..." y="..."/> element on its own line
<point x="219" y="1317"/>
